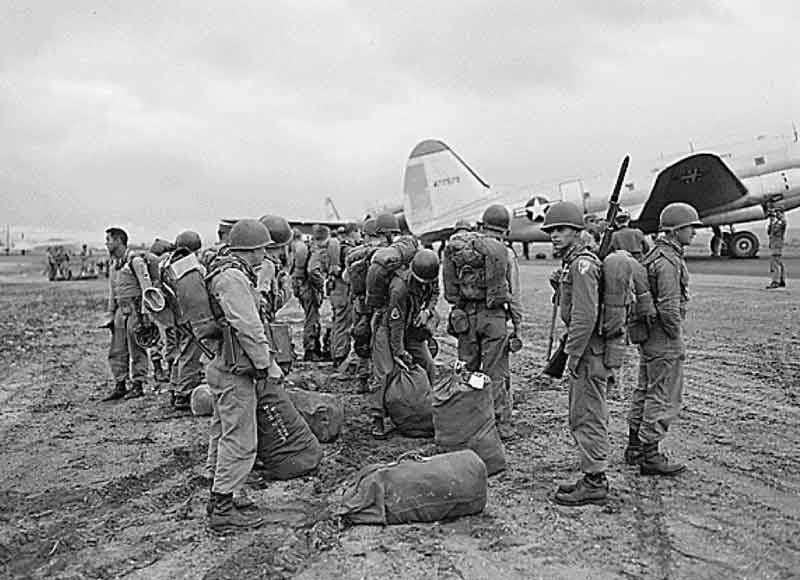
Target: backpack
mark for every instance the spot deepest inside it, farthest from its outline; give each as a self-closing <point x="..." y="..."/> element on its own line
<point x="183" y="279"/>
<point x="357" y="264"/>
<point x="474" y="269"/>
<point x="384" y="264"/>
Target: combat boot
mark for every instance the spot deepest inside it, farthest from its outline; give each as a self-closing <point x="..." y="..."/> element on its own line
<point x="136" y="391"/>
<point x="633" y="452"/>
<point x="591" y="489"/>
<point x="117" y="393"/>
<point x="656" y="463"/>
<point x="774" y="285"/>
<point x="379" y="430"/>
<point x="225" y="517"/>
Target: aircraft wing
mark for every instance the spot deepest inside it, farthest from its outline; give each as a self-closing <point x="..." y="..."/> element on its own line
<point x="702" y="180"/>
<point x="305" y="225"/>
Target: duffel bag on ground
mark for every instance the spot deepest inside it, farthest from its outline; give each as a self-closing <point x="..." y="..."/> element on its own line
<point x="286" y="446"/>
<point x="415" y="489"/>
<point x="323" y="412"/>
<point x="463" y="417"/>
<point x="407" y="400"/>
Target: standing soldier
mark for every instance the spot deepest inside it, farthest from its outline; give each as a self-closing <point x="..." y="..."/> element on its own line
<point x="481" y="282"/>
<point x="308" y="287"/>
<point x="776" y="230"/>
<point x="626" y="238"/>
<point x="400" y="330"/>
<point x="243" y="358"/>
<point x="579" y="293"/>
<point x="589" y="232"/>
<point x="187" y="370"/>
<point x="339" y="292"/>
<point x="274" y="281"/>
<point x="223" y="231"/>
<point x="656" y="400"/>
<point x="129" y="277"/>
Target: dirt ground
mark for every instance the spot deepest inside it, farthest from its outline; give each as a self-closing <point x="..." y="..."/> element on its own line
<point x="112" y="490"/>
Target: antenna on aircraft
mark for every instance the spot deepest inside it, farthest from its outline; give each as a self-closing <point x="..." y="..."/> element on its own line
<point x="330" y="209"/>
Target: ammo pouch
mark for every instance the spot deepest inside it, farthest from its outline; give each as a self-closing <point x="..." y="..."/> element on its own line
<point x="457" y="322"/>
<point x="638" y="331"/>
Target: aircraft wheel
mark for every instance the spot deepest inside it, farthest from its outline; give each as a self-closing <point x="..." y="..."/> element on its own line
<point x="743" y="245"/>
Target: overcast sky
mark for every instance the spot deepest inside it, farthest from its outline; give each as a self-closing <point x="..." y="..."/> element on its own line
<point x="163" y="115"/>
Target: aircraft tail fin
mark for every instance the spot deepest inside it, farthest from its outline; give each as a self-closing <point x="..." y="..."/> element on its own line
<point x="440" y="188"/>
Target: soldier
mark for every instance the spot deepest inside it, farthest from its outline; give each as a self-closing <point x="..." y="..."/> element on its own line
<point x="626" y="238"/>
<point x="776" y="230"/>
<point x="187" y="371"/>
<point x="339" y="292"/>
<point x="84" y="257"/>
<point x="129" y="276"/>
<point x="579" y="293"/>
<point x="274" y="281"/>
<point x="483" y="288"/>
<point x="308" y="282"/>
<point x="163" y="355"/>
<point x="243" y="357"/>
<point x="401" y="330"/>
<point x="223" y="231"/>
<point x="589" y="233"/>
<point x="656" y="400"/>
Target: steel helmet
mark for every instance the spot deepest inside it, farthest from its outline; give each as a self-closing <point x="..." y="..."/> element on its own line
<point x="678" y="215"/>
<point x="249" y="234"/>
<point x="563" y="213"/>
<point x="161" y="246"/>
<point x="386" y="223"/>
<point x="190" y="240"/>
<point x="320" y="232"/>
<point x="370" y="227"/>
<point x="146" y="335"/>
<point x="279" y="230"/>
<point x="496" y="217"/>
<point x="425" y="266"/>
<point x="201" y="401"/>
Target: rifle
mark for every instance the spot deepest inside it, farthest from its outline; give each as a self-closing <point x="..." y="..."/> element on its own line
<point x="613" y="209"/>
<point x="553" y="318"/>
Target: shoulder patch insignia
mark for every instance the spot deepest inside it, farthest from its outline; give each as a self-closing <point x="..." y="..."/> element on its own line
<point x="583" y="265"/>
<point x="395" y="314"/>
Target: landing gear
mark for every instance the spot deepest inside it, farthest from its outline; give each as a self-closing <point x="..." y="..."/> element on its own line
<point x="734" y="244"/>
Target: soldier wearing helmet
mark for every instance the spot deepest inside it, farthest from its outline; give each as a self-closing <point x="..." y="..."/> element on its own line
<point x="402" y="330"/>
<point x="274" y="281"/>
<point x="578" y="287"/>
<point x="481" y="282"/>
<point x="776" y="231"/>
<point x="388" y="226"/>
<point x="589" y="233"/>
<point x="656" y="400"/>
<point x="626" y="238"/>
<point x="243" y="358"/>
<point x="339" y="292"/>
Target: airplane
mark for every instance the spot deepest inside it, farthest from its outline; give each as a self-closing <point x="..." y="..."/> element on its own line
<point x="728" y="185"/>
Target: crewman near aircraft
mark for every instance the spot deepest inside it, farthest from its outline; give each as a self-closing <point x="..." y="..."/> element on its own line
<point x="481" y="282"/>
<point x="579" y="290"/>
<point x="626" y="238"/>
<point x="656" y="400"/>
<point x="402" y="328"/>
<point x="776" y="230"/>
<point x="129" y="276"/>
<point x="243" y="358"/>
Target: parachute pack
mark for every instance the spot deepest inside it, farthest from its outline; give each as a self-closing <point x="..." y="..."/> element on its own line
<point x="183" y="279"/>
<point x="474" y="269"/>
<point x="357" y="264"/>
<point x="383" y="265"/>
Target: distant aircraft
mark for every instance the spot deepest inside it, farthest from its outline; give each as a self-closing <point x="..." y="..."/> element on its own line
<point x="728" y="185"/>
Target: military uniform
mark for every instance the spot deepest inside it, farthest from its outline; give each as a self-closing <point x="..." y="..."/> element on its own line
<point x="656" y="400"/>
<point x="308" y="288"/>
<point x="339" y="295"/>
<point x="395" y="330"/>
<point x="776" y="230"/>
<point x="579" y="288"/>
<point x="125" y="357"/>
<point x="241" y="352"/>
<point x="631" y="240"/>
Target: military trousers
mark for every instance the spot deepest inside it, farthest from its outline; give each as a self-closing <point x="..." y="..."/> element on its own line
<point x="656" y="399"/>
<point x="484" y="347"/>
<point x="776" y="268"/>
<point x="342" y="322"/>
<point x="125" y="357"/>
<point x="232" y="436"/>
<point x="188" y="367"/>
<point x="588" y="411"/>
<point x="309" y="300"/>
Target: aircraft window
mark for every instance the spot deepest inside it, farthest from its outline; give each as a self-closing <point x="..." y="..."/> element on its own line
<point x="759" y="161"/>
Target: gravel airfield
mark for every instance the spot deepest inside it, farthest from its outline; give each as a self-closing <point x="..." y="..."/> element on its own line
<point x="112" y="490"/>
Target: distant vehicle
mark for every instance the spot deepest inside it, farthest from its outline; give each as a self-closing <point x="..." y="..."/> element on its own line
<point x="728" y="185"/>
